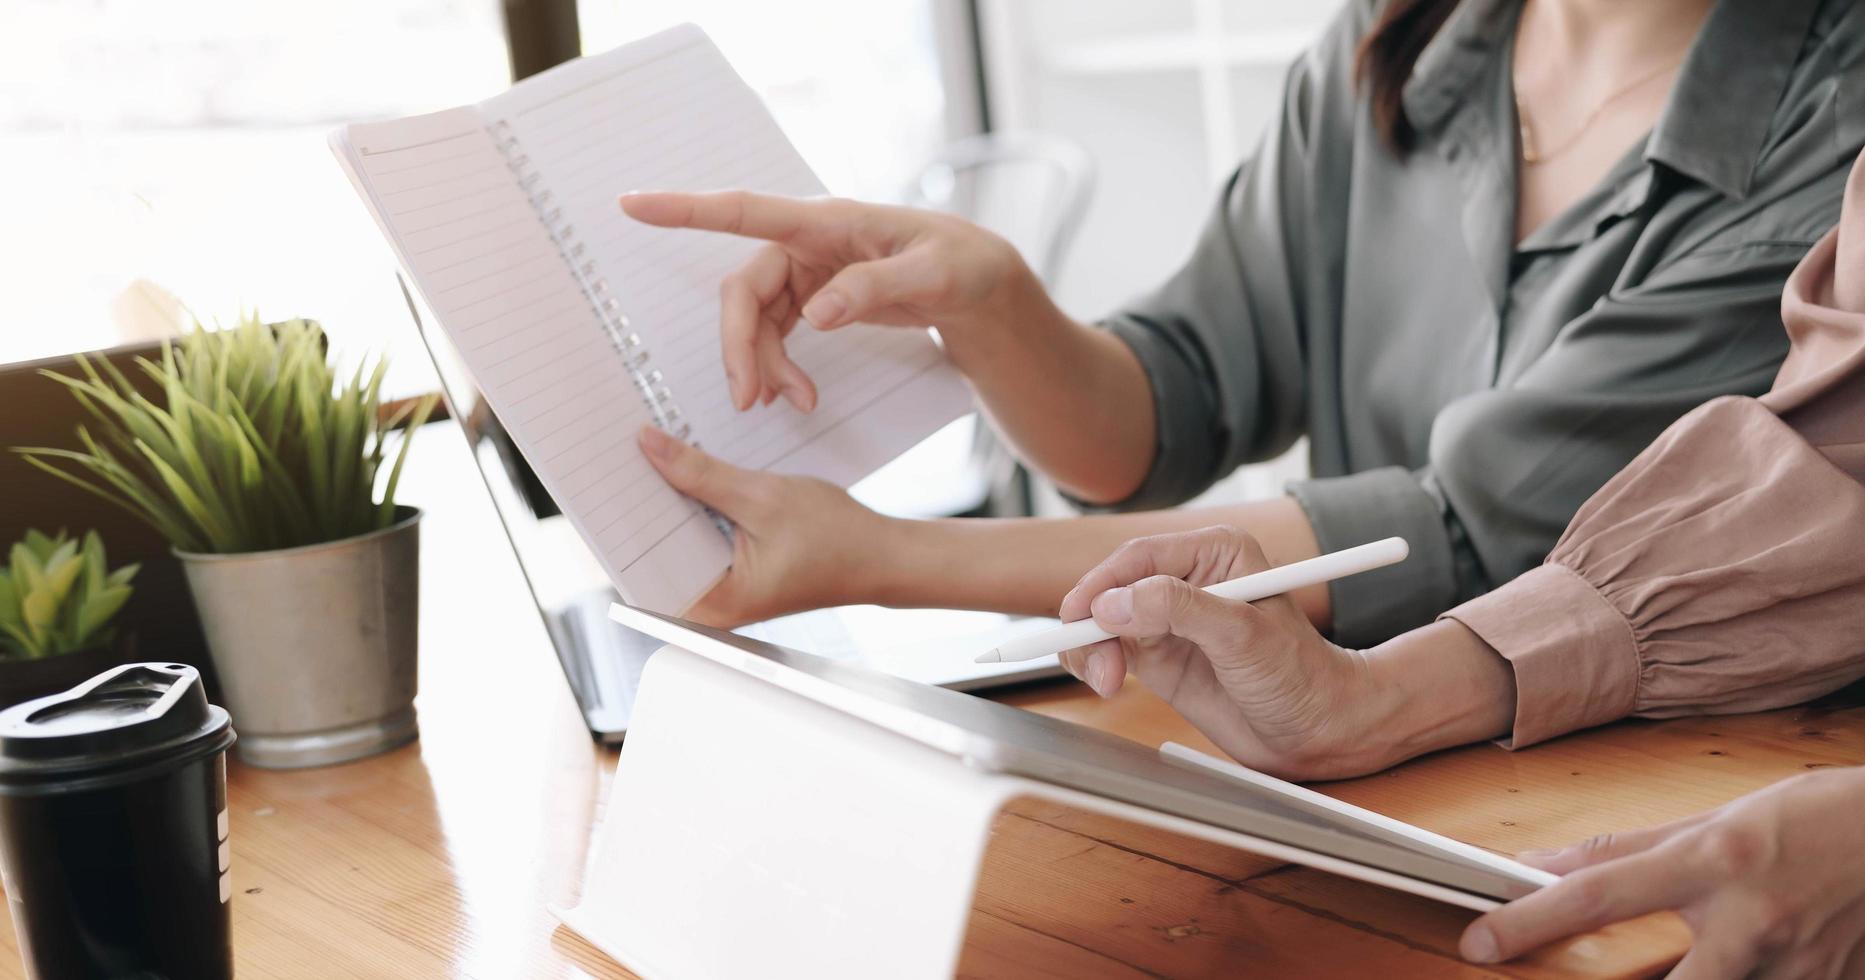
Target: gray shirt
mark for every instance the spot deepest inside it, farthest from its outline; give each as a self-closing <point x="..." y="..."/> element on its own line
<point x="1458" y="389"/>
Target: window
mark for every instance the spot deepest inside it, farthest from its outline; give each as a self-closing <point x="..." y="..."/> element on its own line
<point x="1168" y="97"/>
<point x="163" y="158"/>
<point x="172" y="154"/>
<point x="855" y="83"/>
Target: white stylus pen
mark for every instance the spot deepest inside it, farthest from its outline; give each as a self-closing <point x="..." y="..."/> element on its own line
<point x="1262" y="585"/>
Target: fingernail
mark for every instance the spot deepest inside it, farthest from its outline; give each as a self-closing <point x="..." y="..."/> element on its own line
<point x="1479" y="945"/>
<point x="1114" y="607"/>
<point x="825" y="309"/>
<point x="1101" y="672"/>
<point x="656" y="443"/>
<point x="1547" y="860"/>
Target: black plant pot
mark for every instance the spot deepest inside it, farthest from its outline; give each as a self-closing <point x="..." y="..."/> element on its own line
<point x="23" y="680"/>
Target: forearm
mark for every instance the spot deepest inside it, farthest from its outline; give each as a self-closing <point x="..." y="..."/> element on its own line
<point x="1026" y="565"/>
<point x="1071" y="399"/>
<point x="1439" y="686"/>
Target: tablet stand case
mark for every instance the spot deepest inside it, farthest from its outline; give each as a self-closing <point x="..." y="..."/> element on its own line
<point x="752" y="831"/>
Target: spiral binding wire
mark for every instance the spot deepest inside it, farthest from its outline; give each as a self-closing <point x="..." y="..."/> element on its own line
<point x="635" y="355"/>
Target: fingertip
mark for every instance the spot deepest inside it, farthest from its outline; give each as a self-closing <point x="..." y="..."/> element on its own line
<point x="655" y="444"/>
<point x="1104" y="671"/>
<point x="639" y="205"/>
<point x="1541" y="857"/>
<point x="734" y="389"/>
<point x="1252" y="549"/>
<point x="1114" y="608"/>
<point x="800" y="397"/>
<point x="1564" y="861"/>
<point x="1095" y="673"/>
<point x="826" y="310"/>
<point x="794" y="384"/>
<point x="1478" y="944"/>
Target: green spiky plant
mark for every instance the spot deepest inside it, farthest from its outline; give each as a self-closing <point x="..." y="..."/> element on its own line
<point x="57" y="596"/>
<point x="256" y="445"/>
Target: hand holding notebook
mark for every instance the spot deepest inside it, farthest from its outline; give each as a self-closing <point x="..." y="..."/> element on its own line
<point x="581" y="325"/>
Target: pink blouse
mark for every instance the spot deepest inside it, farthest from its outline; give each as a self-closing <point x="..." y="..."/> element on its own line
<point x="1724" y="569"/>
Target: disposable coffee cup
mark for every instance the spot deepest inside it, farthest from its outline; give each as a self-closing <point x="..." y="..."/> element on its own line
<point x="113" y="828"/>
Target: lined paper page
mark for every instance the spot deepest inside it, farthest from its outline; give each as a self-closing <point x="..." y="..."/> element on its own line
<point x="499" y="288"/>
<point x="669" y="113"/>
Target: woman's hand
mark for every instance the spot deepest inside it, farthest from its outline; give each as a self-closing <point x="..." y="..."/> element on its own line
<point x="832" y="263"/>
<point x="1772" y="885"/>
<point x="1254" y="677"/>
<point x="1073" y="400"/>
<point x="800" y="543"/>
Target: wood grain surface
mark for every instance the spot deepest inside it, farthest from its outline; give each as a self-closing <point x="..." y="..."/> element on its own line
<point x="437" y="860"/>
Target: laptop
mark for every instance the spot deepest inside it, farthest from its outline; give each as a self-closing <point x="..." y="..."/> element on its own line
<point x="603" y="661"/>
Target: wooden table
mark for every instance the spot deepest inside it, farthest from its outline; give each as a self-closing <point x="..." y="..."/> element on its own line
<point x="437" y="860"/>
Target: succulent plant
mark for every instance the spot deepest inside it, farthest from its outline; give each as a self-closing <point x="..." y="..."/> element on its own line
<point x="57" y="596"/>
<point x="256" y="445"/>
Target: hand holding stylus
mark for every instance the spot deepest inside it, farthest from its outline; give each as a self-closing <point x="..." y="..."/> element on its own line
<point x="1254" y="677"/>
<point x="1249" y="588"/>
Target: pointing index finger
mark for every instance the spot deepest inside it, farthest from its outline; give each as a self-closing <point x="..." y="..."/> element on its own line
<point x="733" y="212"/>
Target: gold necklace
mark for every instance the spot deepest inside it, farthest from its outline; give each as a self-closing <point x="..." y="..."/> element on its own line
<point x="1532" y="155"/>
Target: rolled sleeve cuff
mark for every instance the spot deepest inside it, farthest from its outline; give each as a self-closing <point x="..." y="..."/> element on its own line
<point x="1179" y="470"/>
<point x="1375" y="606"/>
<point x="1574" y="654"/>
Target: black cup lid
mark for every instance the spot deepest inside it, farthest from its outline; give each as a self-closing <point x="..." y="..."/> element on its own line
<point x="123" y="719"/>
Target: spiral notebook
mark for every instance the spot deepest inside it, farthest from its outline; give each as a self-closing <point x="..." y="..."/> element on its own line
<point x="580" y="325"/>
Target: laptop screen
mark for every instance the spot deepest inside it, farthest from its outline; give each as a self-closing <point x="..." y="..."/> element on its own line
<point x="601" y="660"/>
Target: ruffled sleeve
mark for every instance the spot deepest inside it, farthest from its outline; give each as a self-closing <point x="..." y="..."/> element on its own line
<point x="1724" y="569"/>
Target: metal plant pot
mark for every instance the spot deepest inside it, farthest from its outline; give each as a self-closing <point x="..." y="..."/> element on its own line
<point x="315" y="646"/>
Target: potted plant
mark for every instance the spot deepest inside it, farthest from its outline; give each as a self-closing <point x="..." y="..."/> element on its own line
<point x="57" y="600"/>
<point x="261" y="468"/>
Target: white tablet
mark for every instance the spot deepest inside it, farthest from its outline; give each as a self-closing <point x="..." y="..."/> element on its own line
<point x="1176" y="781"/>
